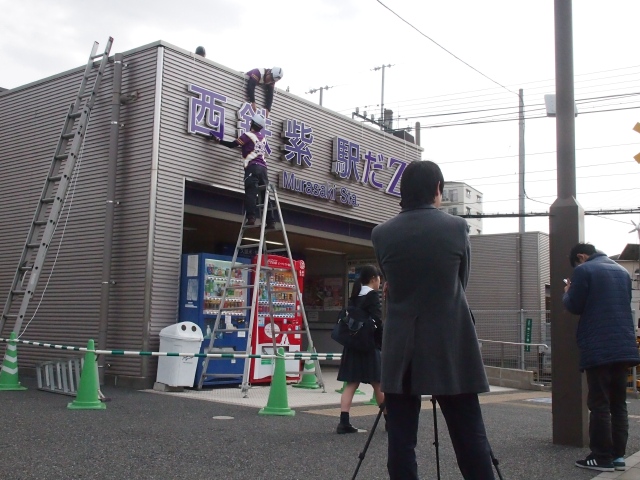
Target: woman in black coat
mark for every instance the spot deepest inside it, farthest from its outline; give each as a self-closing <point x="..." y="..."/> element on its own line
<point x="356" y="366"/>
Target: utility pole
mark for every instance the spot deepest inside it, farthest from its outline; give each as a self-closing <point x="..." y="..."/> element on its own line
<point x="382" y="95"/>
<point x="314" y="90"/>
<point x="566" y="228"/>
<point x="521" y="161"/>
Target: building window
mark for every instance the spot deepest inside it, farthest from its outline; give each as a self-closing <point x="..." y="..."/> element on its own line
<point x="453" y="210"/>
<point x="452" y="195"/>
<point x="468" y="209"/>
<point x="479" y="198"/>
<point x="468" y="193"/>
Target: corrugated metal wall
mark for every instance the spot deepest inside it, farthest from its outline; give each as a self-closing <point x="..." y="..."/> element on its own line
<point x="195" y="158"/>
<point x="31" y="119"/>
<point x="494" y="279"/>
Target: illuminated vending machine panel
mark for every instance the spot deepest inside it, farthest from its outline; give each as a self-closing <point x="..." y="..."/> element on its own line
<point x="202" y="287"/>
<point x="287" y="316"/>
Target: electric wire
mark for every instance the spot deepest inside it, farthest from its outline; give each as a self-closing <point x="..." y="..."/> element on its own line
<point x="449" y="52"/>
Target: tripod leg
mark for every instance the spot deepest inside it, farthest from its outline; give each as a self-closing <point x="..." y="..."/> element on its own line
<point x="435" y="432"/>
<point x="495" y="462"/>
<point x="366" y="445"/>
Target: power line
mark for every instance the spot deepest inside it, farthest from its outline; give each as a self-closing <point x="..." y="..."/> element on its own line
<point x="597" y="213"/>
<point x="551" y="85"/>
<point x="450" y="53"/>
<point x="544" y="153"/>
<point x="471" y="122"/>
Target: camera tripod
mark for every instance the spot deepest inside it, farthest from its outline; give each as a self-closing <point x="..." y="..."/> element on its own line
<point x="436" y="444"/>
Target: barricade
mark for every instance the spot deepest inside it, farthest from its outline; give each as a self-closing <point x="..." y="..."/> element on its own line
<point x="88" y="389"/>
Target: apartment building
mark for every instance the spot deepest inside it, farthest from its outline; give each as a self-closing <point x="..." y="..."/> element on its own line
<point x="459" y="198"/>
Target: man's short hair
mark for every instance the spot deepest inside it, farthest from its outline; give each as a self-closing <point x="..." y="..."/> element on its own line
<point x="585" y="248"/>
<point x="419" y="182"/>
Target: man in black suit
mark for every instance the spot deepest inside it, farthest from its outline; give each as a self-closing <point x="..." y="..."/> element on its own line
<point x="430" y="344"/>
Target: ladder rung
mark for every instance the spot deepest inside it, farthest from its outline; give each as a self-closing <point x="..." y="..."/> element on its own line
<point x="18" y="292"/>
<point x="62" y="156"/>
<point x="33" y="245"/>
<point x="39" y="223"/>
<point x="12" y="315"/>
<point x="47" y="200"/>
<point x="57" y="178"/>
<point x="249" y="245"/>
<point x="27" y="268"/>
<point x="75" y="115"/>
<point x="68" y="136"/>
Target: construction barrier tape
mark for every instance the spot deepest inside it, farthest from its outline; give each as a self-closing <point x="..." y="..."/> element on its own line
<point x="287" y="356"/>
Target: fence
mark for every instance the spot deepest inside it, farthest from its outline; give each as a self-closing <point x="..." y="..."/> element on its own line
<point x="498" y="330"/>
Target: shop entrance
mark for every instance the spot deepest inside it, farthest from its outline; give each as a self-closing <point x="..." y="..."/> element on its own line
<point x="211" y="225"/>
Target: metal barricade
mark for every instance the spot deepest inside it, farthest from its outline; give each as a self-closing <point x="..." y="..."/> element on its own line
<point x="60" y="376"/>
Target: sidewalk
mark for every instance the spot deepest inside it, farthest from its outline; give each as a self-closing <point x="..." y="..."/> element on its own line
<point x="144" y="435"/>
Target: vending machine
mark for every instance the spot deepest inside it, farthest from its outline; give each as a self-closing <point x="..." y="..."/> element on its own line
<point x="287" y="317"/>
<point x="202" y="282"/>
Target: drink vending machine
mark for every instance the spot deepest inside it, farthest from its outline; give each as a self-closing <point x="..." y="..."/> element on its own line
<point x="287" y="317"/>
<point x="202" y="281"/>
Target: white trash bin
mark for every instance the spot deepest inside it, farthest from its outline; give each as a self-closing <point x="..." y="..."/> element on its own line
<point x="183" y="337"/>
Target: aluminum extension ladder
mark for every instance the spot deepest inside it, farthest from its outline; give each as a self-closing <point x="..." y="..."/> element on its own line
<point x="270" y="200"/>
<point x="54" y="191"/>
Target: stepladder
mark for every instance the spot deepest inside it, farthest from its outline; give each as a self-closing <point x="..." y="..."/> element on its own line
<point x="54" y="192"/>
<point x="275" y="308"/>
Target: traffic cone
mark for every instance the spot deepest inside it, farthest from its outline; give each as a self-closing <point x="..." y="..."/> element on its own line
<point x="344" y="384"/>
<point x="9" y="372"/>
<point x="372" y="401"/>
<point x="87" y="397"/>
<point x="309" y="379"/>
<point x="278" y="404"/>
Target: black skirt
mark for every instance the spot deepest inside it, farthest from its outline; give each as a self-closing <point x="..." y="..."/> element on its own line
<point x="363" y="367"/>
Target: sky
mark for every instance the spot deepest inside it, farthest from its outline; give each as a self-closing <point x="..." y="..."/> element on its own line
<point x="457" y="72"/>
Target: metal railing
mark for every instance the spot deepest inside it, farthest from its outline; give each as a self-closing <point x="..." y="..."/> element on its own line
<point x="521" y="339"/>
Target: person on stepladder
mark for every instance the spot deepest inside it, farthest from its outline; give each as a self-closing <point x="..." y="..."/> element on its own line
<point x="266" y="76"/>
<point x="356" y="366"/>
<point x="430" y="344"/>
<point x="253" y="146"/>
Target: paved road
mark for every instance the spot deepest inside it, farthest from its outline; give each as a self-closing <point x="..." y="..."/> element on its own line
<point x="150" y="436"/>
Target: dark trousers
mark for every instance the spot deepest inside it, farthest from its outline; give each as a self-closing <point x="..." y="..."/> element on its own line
<point x="466" y="429"/>
<point x="255" y="176"/>
<point x="608" y="420"/>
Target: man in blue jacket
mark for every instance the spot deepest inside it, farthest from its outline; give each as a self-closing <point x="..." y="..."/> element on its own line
<point x="600" y="292"/>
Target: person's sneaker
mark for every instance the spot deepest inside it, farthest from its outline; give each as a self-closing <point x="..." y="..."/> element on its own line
<point x="619" y="464"/>
<point x="348" y="429"/>
<point x="251" y="220"/>
<point x="592" y="464"/>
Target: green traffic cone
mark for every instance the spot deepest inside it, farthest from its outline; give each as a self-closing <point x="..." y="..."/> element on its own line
<point x="278" y="404"/>
<point x="344" y="384"/>
<point x="9" y="372"/>
<point x="309" y="379"/>
<point x="87" y="397"/>
<point x="372" y="401"/>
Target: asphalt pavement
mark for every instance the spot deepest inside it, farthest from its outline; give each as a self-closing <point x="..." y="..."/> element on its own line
<point x="144" y="435"/>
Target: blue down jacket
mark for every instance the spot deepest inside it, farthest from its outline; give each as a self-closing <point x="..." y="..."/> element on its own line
<point x="600" y="293"/>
